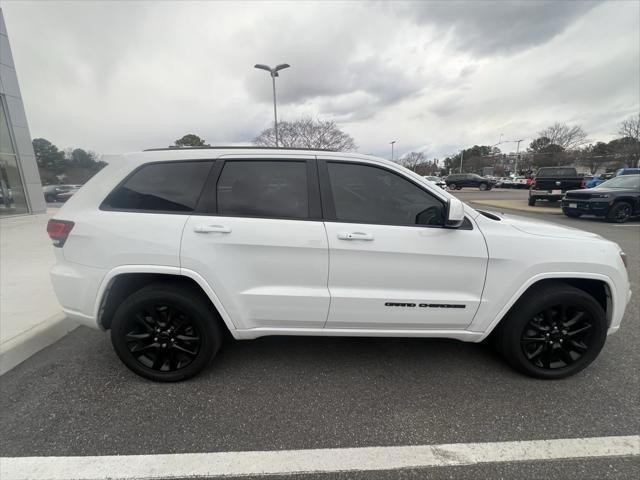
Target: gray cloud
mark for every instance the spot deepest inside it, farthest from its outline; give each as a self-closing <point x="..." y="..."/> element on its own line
<point x="497" y="26"/>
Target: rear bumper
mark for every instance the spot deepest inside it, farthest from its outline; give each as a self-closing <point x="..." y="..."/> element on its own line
<point x="553" y="196"/>
<point x="76" y="287"/>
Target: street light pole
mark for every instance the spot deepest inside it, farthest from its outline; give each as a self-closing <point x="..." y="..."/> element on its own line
<point x="461" y="157"/>
<point x="392" y="143"/>
<point x="515" y="168"/>
<point x="274" y="73"/>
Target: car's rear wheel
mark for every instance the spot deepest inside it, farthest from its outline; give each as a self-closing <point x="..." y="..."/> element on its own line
<point x="620" y="212"/>
<point x="532" y="201"/>
<point x="166" y="332"/>
<point x="555" y="331"/>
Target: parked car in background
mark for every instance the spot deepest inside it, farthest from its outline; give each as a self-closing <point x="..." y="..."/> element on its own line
<point x="628" y="171"/>
<point x="52" y="192"/>
<point x="438" y="181"/>
<point x="457" y="181"/>
<point x="173" y="250"/>
<point x="551" y="183"/>
<point x="617" y="200"/>
<point x="64" y="196"/>
<point x="504" y="182"/>
<point x="520" y="182"/>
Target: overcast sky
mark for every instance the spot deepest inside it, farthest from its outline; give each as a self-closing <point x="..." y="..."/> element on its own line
<point x="435" y="77"/>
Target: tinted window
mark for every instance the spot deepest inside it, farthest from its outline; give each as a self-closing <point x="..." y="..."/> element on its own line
<point x="366" y="194"/>
<point x="557" y="172"/>
<point x="263" y="189"/>
<point x="168" y="187"/>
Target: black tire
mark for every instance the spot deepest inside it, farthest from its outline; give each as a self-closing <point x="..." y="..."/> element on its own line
<point x="554" y="331"/>
<point x="532" y="201"/>
<point x="571" y="214"/>
<point x="483" y="187"/>
<point x="620" y="212"/>
<point x="176" y="327"/>
<point x="452" y="186"/>
<point x="49" y="198"/>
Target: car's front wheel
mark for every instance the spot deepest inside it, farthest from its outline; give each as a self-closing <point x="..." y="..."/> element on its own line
<point x="483" y="186"/>
<point x="452" y="186"/>
<point x="620" y="212"/>
<point x="166" y="332"/>
<point x="555" y="331"/>
<point x="532" y="201"/>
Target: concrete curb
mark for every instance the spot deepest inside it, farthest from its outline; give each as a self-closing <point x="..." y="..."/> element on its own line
<point x="17" y="349"/>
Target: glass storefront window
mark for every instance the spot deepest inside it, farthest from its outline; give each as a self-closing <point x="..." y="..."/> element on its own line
<point x="12" y="196"/>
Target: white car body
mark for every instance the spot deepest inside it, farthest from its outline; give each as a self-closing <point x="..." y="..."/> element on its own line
<point x="269" y="276"/>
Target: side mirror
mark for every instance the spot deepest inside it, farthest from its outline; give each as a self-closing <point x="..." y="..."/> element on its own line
<point x="455" y="213"/>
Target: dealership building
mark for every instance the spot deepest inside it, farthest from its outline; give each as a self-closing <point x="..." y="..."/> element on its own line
<point x="20" y="186"/>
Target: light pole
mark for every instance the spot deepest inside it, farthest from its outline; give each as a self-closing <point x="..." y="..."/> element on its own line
<point x="392" y="144"/>
<point x="274" y="73"/>
<point x="515" y="168"/>
<point x="461" y="157"/>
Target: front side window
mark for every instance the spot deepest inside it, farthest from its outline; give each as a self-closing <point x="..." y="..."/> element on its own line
<point x="263" y="188"/>
<point x="368" y="194"/>
<point x="166" y="187"/>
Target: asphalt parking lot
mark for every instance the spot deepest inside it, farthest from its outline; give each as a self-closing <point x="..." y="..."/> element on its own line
<point x="76" y="399"/>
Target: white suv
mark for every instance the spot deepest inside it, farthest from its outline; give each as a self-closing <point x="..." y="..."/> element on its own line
<point x="172" y="248"/>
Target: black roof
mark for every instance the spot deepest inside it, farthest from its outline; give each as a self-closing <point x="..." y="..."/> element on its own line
<point x="235" y="147"/>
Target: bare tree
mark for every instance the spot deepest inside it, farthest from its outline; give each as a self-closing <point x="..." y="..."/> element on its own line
<point x="411" y="160"/>
<point x="568" y="137"/>
<point x="307" y="133"/>
<point x="631" y="128"/>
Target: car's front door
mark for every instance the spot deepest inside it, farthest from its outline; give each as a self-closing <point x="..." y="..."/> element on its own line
<point x="392" y="264"/>
<point x="260" y="243"/>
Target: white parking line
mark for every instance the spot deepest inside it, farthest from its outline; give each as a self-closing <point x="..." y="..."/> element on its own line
<point x="310" y="461"/>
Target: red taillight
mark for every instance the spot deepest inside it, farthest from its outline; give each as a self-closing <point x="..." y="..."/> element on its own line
<point x="583" y="184"/>
<point x="58" y="231"/>
<point x="533" y="182"/>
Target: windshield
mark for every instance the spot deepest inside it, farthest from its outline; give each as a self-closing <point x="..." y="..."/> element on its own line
<point x="624" y="181"/>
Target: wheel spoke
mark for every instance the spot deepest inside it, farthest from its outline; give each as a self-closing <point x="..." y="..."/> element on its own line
<point x="132" y="336"/>
<point x="572" y="333"/>
<point x="185" y="350"/>
<point x="142" y="318"/>
<point x="535" y="353"/>
<point x="579" y="346"/>
<point x="566" y="356"/>
<point x="187" y="338"/>
<point x="546" y="358"/>
<point x="575" y="319"/>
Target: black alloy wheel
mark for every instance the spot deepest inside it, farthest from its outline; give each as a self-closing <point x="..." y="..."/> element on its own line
<point x="555" y="330"/>
<point x="166" y="332"/>
<point x="619" y="213"/>
<point x="163" y="338"/>
<point x="557" y="337"/>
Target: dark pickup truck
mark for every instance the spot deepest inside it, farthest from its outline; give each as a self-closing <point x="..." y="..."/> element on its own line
<point x="551" y="183"/>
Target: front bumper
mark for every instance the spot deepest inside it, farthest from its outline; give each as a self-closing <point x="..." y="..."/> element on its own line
<point x="589" y="207"/>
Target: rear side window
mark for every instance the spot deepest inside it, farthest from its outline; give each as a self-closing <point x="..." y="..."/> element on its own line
<point x="165" y="187"/>
<point x="264" y="188"/>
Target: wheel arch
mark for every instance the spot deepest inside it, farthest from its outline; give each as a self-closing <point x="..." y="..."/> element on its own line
<point x="122" y="281"/>
<point x="600" y="287"/>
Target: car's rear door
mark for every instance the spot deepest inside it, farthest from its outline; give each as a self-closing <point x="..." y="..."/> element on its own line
<point x="393" y="266"/>
<point x="259" y="241"/>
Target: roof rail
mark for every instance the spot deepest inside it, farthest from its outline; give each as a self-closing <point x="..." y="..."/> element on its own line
<point x="234" y="147"/>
